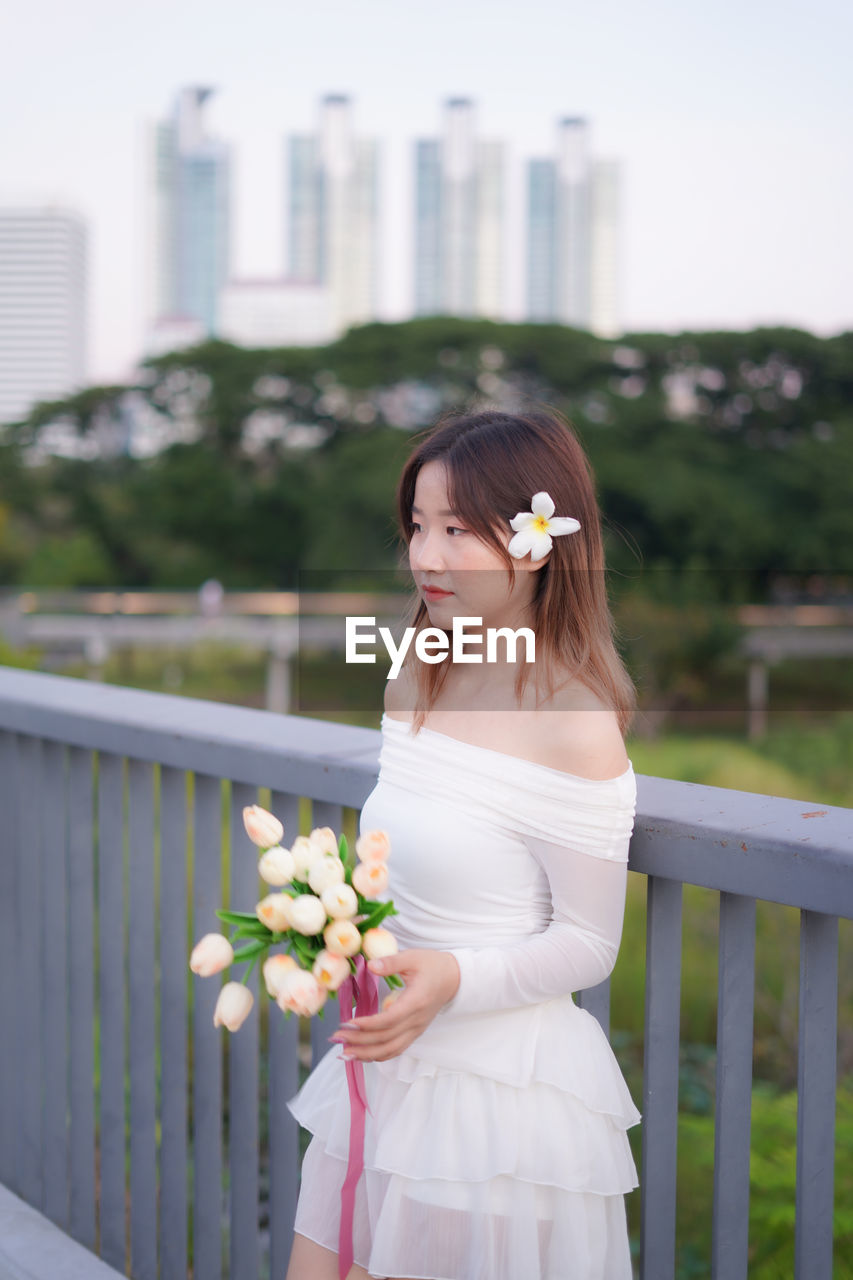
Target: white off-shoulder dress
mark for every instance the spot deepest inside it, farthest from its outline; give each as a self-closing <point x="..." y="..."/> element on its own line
<point x="495" y="1144"/>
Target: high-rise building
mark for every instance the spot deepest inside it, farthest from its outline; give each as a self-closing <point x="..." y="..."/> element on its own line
<point x="43" y="300"/>
<point x="459" y="219"/>
<point x="572" y="234"/>
<point x="190" y="185"/>
<point x="604" y="297"/>
<point x="332" y="197"/>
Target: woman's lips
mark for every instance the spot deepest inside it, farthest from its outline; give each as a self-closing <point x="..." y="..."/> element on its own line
<point x="434" y="593"/>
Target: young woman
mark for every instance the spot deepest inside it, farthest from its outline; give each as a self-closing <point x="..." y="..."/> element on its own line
<point x="495" y="1144"/>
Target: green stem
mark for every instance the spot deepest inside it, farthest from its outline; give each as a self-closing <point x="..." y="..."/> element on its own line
<point x="247" y="975"/>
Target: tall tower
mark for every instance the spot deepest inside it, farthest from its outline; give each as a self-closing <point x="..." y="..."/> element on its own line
<point x="191" y="214"/>
<point x="605" y="217"/>
<point x="43" y="298"/>
<point x="572" y="235"/>
<point x="572" y="239"/>
<point x="459" y="219"/>
<point x="333" y="179"/>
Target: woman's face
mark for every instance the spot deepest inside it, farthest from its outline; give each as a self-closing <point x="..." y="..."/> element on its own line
<point x="444" y="553"/>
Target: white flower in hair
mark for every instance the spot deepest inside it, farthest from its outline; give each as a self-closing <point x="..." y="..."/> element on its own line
<point x="535" y="528"/>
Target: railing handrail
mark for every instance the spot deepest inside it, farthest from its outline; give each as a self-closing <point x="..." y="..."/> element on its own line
<point x="794" y="852"/>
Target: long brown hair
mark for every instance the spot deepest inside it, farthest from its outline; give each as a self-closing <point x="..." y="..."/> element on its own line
<point x="495" y="463"/>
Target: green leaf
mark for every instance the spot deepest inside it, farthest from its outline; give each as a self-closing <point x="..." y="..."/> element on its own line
<point x="258" y="930"/>
<point x="237" y="917"/>
<point x="379" y="914"/>
<point x="250" y="950"/>
<point x="343" y="851"/>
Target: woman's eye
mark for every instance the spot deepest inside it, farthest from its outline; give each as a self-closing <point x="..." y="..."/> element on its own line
<point x="451" y="528"/>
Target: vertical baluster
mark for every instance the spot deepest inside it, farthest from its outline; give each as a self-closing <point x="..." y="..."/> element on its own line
<point x="82" y="994"/>
<point x="596" y="1000"/>
<point x="207" y="1044"/>
<point x="243" y="1061"/>
<point x="660" y="1079"/>
<point x="325" y="814"/>
<point x="735" y="1002"/>
<point x="174" y="954"/>
<point x="143" y="1156"/>
<point x="30" y="1180"/>
<point x="56" y="992"/>
<point x="816" y="1069"/>
<point x="283" y="1085"/>
<point x="111" y="982"/>
<point x="11" y="851"/>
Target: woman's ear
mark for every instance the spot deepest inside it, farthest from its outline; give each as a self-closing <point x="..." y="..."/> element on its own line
<point x="532" y="565"/>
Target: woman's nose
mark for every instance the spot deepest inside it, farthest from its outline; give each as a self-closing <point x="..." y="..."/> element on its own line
<point x="425" y="554"/>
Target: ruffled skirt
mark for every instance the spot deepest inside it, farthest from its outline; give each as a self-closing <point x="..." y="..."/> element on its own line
<point x="479" y="1167"/>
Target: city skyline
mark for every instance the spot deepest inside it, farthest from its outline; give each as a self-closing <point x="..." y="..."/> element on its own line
<point x="737" y="181"/>
<point x="462" y="252"/>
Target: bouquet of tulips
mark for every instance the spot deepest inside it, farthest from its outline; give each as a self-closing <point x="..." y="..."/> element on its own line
<point x="322" y="914"/>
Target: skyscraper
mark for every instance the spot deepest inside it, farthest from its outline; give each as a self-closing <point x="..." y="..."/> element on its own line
<point x="332" y="197"/>
<point x="572" y="234"/>
<point x="43" y="297"/>
<point x="459" y="219"/>
<point x="191" y="214"/>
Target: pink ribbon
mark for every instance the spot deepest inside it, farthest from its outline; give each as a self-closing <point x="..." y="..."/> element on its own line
<point x="361" y="989"/>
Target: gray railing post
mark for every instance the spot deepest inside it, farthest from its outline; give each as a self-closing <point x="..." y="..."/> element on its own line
<point x="816" y="1095"/>
<point x="660" y="1080"/>
<point x="735" y="1002"/>
<point x="10" y="855"/>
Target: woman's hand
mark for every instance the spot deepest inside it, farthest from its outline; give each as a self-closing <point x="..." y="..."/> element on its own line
<point x="431" y="978"/>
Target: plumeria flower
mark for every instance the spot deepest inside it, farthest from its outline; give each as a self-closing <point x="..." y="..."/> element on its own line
<point x="534" y="529"/>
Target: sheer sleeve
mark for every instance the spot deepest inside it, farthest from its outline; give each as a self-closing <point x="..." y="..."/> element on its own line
<point x="578" y="948"/>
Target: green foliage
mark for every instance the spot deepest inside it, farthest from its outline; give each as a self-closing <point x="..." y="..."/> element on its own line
<point x="772" y="1186"/>
<point x="721" y="458"/>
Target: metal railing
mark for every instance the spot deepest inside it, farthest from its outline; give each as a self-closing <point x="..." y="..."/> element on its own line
<point x="112" y="1092"/>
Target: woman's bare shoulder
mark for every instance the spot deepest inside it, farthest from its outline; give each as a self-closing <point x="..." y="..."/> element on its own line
<point x="579" y="732"/>
<point x="401" y="696"/>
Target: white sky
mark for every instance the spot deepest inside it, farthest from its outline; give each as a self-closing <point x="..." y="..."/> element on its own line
<point x="732" y="121"/>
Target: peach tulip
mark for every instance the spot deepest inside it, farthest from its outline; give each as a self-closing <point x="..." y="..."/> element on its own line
<point x="304" y="852"/>
<point x="277" y="866"/>
<point x="330" y="970"/>
<point x="233" y="1006"/>
<point x="274" y="911"/>
<point x="340" y="901"/>
<point x="326" y="870"/>
<point x="324" y="840"/>
<point x="342" y="938"/>
<point x="378" y="943"/>
<point x="301" y="993"/>
<point x="262" y="827"/>
<point x="307" y="914"/>
<point x="373" y="846"/>
<point x="211" y="954"/>
<point x="274" y="969"/>
<point x="370" y="879"/>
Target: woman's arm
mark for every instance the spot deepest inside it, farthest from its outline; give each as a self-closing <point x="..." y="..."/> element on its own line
<point x="578" y="949"/>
